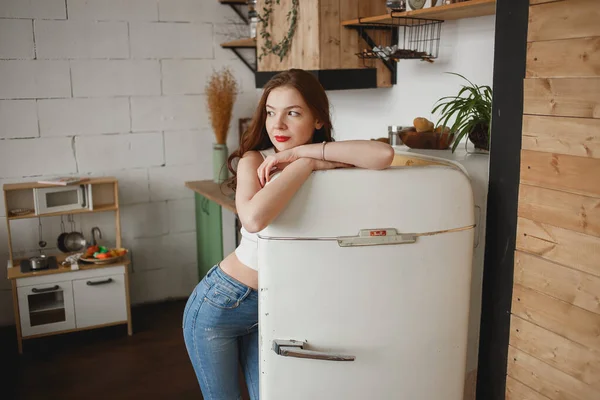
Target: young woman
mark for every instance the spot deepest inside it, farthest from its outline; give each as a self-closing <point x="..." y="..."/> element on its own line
<point x="291" y="134"/>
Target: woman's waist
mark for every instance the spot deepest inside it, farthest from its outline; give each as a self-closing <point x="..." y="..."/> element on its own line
<point x="233" y="267"/>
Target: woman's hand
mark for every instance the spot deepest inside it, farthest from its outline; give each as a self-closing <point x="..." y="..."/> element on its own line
<point x="274" y="162"/>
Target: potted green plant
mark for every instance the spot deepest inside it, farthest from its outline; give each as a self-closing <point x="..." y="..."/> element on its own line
<point x="472" y="113"/>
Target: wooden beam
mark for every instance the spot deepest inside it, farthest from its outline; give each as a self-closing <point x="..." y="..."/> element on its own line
<point x="572" y="174"/>
<point x="564" y="58"/>
<point x="548" y="381"/>
<point x="564" y="20"/>
<point x="515" y="390"/>
<point x="564" y="210"/>
<point x="567" y="97"/>
<point x="563" y="354"/>
<point x="557" y="316"/>
<point x="562" y="135"/>
<point x="566" y="284"/>
<point x="571" y="249"/>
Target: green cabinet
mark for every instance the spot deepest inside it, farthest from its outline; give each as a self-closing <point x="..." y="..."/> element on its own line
<point x="209" y="235"/>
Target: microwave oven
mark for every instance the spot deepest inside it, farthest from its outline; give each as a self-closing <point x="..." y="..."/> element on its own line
<point x="62" y="198"/>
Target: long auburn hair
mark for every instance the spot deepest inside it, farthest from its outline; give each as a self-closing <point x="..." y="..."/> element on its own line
<point x="256" y="136"/>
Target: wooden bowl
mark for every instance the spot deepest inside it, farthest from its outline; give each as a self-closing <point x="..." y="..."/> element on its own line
<point x="103" y="260"/>
<point x="426" y="140"/>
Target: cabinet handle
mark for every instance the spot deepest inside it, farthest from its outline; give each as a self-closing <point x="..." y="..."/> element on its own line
<point x="48" y="289"/>
<point x="90" y="283"/>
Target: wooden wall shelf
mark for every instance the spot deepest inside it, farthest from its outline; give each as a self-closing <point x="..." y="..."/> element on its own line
<point x="467" y="9"/>
<point x="245" y="43"/>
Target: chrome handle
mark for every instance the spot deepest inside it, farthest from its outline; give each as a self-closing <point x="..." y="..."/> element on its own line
<point x="50" y="289"/>
<point x="83" y="196"/>
<point x="376" y="237"/>
<point x="91" y="283"/>
<point x="294" y="348"/>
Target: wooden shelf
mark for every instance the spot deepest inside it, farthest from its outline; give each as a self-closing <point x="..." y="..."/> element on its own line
<point x="30" y="185"/>
<point x="97" y="209"/>
<point x="238" y="2"/>
<point x="220" y="194"/>
<point x="248" y="43"/>
<point x="467" y="9"/>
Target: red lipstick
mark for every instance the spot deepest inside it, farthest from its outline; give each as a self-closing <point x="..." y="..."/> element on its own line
<point x="282" y="138"/>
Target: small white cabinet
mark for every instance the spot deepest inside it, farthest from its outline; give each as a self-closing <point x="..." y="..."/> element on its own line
<point x="99" y="300"/>
<point x="73" y="300"/>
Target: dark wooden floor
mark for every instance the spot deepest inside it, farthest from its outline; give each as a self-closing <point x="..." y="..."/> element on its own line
<point x="104" y="363"/>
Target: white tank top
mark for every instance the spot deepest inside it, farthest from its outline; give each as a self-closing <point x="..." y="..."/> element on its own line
<point x="247" y="250"/>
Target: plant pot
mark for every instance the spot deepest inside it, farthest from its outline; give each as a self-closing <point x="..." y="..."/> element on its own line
<point x="219" y="157"/>
<point x="479" y="136"/>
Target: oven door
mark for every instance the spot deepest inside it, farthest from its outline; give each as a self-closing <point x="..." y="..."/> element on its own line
<point x="59" y="199"/>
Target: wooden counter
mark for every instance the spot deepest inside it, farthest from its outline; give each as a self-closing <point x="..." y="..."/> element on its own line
<point x="15" y="272"/>
<point x="219" y="193"/>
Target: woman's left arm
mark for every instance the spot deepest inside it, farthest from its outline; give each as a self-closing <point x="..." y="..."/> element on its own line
<point x="370" y="154"/>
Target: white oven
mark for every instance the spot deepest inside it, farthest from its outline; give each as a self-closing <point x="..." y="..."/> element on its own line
<point x="62" y="198"/>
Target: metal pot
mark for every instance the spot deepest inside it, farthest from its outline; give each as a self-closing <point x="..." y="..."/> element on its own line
<point x="60" y="242"/>
<point x="38" y="262"/>
<point x="74" y="241"/>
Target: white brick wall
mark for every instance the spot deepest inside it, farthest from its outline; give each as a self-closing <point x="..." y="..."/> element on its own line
<point x="42" y="9"/>
<point x="116" y="88"/>
<point x="83" y="116"/>
<point x="19" y="119"/>
<point x="81" y="39"/>
<point x="34" y="79"/>
<point x="170" y="40"/>
<point x="16" y="38"/>
<point x="115" y="78"/>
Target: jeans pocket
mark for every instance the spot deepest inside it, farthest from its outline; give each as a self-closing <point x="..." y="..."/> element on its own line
<point x="188" y="305"/>
<point x="222" y="297"/>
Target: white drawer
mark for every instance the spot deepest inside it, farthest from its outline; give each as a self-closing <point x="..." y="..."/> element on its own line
<point x="100" y="300"/>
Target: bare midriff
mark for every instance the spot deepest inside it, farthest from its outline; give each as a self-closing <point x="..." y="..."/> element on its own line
<point x="233" y="267"/>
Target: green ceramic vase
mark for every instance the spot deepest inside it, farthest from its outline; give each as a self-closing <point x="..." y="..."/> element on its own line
<point x="220" y="172"/>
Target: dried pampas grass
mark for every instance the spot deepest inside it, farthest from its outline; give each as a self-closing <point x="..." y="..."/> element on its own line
<point x="221" y="92"/>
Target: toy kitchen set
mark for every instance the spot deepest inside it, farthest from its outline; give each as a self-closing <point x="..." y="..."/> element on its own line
<point x="77" y="284"/>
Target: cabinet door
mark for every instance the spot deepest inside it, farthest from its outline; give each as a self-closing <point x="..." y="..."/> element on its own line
<point x="46" y="308"/>
<point x="208" y="234"/>
<point x="100" y="300"/>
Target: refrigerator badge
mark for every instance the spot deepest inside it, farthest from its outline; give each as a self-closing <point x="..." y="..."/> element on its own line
<point x="378" y="233"/>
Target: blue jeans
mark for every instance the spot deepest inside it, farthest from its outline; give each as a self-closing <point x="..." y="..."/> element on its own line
<point x="220" y="329"/>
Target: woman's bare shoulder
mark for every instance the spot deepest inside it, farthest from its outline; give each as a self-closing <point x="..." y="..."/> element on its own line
<point x="250" y="158"/>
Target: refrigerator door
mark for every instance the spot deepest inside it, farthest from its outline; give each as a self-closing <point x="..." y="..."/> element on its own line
<point x="377" y="316"/>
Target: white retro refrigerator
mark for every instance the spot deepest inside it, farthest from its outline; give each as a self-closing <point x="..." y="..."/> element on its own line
<point x="364" y="287"/>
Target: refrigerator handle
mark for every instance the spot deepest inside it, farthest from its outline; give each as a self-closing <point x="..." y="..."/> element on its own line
<point x="294" y="348"/>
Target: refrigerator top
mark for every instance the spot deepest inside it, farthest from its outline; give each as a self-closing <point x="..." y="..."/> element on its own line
<point x="411" y="199"/>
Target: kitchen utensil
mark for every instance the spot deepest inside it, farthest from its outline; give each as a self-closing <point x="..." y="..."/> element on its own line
<point x="74" y="241"/>
<point x="94" y="230"/>
<point x="20" y="211"/>
<point x="394" y="138"/>
<point x="38" y="262"/>
<point x="42" y="243"/>
<point x="60" y="242"/>
<point x="396" y="5"/>
<point x="103" y="260"/>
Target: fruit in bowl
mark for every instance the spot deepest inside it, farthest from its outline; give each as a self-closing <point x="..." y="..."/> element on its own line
<point x="102" y="252"/>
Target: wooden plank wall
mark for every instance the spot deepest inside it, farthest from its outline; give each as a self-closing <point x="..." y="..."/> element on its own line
<point x="554" y="350"/>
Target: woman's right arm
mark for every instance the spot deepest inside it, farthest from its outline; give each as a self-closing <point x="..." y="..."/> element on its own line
<point x="257" y="206"/>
